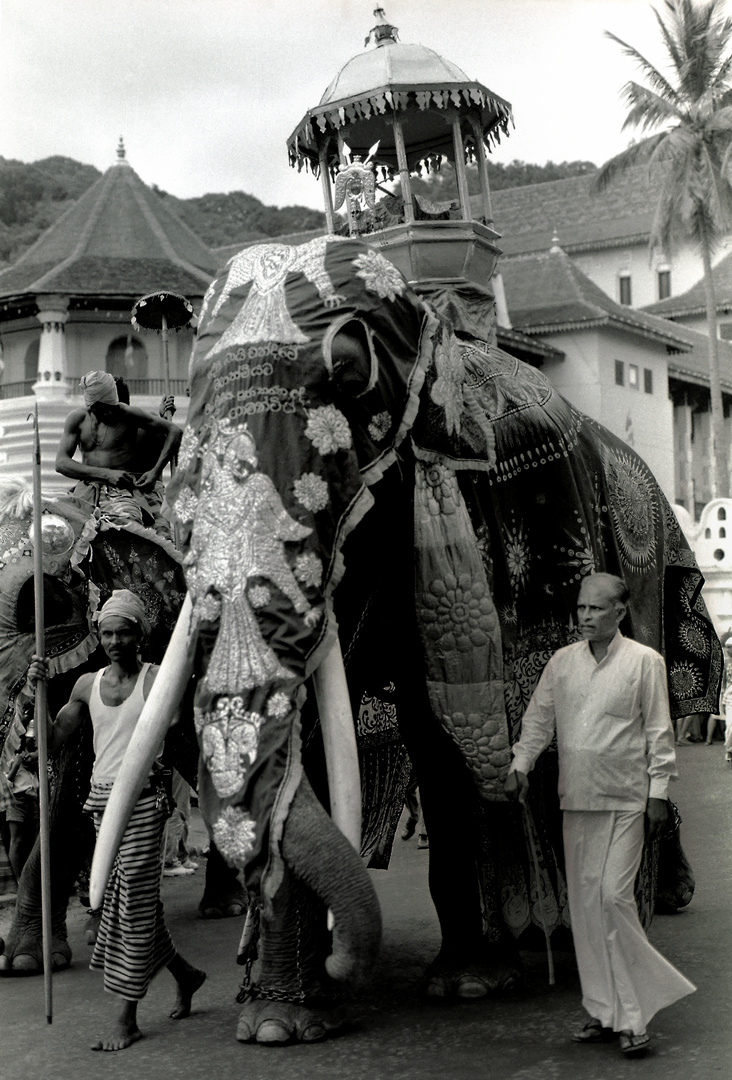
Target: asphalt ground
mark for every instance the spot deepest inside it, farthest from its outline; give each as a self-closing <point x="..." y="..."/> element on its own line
<point x="523" y="1035"/>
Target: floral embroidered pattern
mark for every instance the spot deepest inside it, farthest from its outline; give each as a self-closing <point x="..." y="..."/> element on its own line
<point x="234" y="834"/>
<point x="229" y="743"/>
<point x="188" y="448"/>
<point x="328" y="430"/>
<point x="185" y="505"/>
<point x="309" y="569"/>
<point x="457" y="613"/>
<point x="518" y="556"/>
<point x="278" y="705"/>
<point x="483" y="743"/>
<point x="437" y="489"/>
<point x="379" y="275"/>
<point x="633" y="507"/>
<point x="380" y="425"/>
<point x="259" y="596"/>
<point x="686" y="680"/>
<point x="311" y="491"/>
<point x="692" y="636"/>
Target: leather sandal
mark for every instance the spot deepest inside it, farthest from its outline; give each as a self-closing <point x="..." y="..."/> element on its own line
<point x="634" y="1044"/>
<point x="593" y="1032"/>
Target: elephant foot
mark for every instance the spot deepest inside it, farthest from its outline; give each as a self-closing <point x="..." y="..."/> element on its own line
<point x="277" y="1023"/>
<point x="27" y="958"/>
<point x="487" y="970"/>
<point x="224" y="906"/>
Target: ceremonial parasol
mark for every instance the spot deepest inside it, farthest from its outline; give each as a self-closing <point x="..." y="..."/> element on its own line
<point x="162" y="311"/>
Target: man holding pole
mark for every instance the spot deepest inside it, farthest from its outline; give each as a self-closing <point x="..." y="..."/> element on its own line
<point x="133" y="942"/>
<point x="607" y="699"/>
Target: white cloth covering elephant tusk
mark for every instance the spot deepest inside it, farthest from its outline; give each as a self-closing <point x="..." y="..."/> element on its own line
<point x="165" y="697"/>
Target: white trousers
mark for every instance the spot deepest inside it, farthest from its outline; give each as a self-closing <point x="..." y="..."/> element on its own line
<point x="625" y="981"/>
<point x="728" y="730"/>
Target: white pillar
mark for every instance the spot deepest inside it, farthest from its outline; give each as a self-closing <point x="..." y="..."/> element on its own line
<point x="53" y="311"/>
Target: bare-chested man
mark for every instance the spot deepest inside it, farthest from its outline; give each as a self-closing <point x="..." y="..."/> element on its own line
<point x="110" y="474"/>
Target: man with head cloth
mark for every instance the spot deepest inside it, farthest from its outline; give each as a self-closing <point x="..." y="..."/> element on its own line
<point x="607" y="700"/>
<point x="133" y="942"/>
<point x="108" y="433"/>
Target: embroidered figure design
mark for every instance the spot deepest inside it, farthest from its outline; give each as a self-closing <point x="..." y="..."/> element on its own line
<point x="264" y="315"/>
<point x="239" y="533"/>
<point x="230" y="741"/>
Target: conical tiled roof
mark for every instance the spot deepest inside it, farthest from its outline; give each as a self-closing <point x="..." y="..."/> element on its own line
<point x="119" y="238"/>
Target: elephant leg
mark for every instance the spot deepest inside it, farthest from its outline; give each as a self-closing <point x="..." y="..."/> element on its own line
<point x="469" y="965"/>
<point x="224" y="894"/>
<point x="299" y="988"/>
<point x="71" y="840"/>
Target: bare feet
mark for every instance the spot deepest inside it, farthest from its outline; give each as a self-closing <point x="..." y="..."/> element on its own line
<point x="187" y="983"/>
<point x="122" y="1036"/>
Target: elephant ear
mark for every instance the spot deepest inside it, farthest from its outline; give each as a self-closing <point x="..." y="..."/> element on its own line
<point x="285" y="433"/>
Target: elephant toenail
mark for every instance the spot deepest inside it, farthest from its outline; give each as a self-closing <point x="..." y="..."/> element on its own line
<point x="437" y="988"/>
<point x="471" y="987"/>
<point x="273" y="1033"/>
<point x="313" y="1032"/>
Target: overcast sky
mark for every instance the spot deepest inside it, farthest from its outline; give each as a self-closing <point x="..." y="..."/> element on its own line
<point x="206" y="92"/>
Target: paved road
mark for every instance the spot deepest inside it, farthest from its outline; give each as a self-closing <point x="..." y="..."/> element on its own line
<point x="523" y="1036"/>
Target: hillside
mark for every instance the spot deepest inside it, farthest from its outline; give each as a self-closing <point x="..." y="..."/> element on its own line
<point x="33" y="196"/>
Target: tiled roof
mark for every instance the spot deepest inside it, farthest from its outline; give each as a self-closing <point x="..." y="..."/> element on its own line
<point x="115" y="239"/>
<point x="692" y="302"/>
<point x="693" y="366"/>
<point x="547" y="293"/>
<point x="529" y="217"/>
<point x="100" y="276"/>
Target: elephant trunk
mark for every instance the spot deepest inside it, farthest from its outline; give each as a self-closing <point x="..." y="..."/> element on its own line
<point x="160" y="708"/>
<point x="319" y="854"/>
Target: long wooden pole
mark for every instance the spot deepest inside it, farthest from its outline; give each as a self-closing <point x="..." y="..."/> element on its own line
<point x="41" y="712"/>
<point x="166" y="359"/>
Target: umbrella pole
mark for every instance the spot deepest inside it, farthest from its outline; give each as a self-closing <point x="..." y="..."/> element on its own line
<point x="166" y="358"/>
<point x="41" y="711"/>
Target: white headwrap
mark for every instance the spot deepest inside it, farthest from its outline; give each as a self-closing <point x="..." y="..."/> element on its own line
<point x="99" y="386"/>
<point x="125" y="605"/>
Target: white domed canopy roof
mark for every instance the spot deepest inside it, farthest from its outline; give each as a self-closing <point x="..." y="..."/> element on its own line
<point x="395" y="65"/>
<point x="392" y="79"/>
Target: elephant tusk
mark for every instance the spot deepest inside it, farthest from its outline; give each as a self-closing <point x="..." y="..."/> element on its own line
<point x="339" y="740"/>
<point x="155" y="719"/>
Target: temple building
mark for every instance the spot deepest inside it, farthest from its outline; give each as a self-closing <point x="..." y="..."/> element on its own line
<point x="65" y="309"/>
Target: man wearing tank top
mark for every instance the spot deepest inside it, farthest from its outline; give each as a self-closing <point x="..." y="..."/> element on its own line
<point x="133" y="942"/>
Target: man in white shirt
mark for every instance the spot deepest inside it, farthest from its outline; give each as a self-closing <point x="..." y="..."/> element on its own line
<point x="607" y="699"/>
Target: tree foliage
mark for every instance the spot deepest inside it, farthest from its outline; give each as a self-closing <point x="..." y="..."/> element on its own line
<point x="33" y="196"/>
<point x="685" y="117"/>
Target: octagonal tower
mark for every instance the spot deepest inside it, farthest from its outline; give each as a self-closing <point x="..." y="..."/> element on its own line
<point x="393" y="111"/>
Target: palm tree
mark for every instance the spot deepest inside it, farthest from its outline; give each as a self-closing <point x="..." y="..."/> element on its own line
<point x="690" y="155"/>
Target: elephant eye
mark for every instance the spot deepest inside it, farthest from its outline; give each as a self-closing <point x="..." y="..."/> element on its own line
<point x="352" y="359"/>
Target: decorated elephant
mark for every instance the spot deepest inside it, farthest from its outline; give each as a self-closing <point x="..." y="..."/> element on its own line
<point x="373" y="498"/>
<point x="86" y="556"/>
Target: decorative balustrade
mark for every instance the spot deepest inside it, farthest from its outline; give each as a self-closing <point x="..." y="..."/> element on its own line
<point x="138" y="388"/>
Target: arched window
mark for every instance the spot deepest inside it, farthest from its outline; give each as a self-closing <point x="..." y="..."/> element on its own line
<point x="722" y="534"/>
<point x="30" y="363"/>
<point x="127" y="356"/>
<point x="721" y="514"/>
<point x="707" y="534"/>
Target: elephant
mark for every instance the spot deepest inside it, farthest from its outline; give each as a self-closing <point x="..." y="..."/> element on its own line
<point x="85" y="557"/>
<point x="385" y="515"/>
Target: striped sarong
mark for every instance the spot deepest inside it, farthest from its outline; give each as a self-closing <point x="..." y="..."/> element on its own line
<point x="133" y="942"/>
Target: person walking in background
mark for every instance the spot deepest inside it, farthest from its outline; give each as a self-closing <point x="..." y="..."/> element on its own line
<point x="606" y="697"/>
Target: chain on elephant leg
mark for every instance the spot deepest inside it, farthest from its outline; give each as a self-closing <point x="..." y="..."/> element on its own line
<point x="285" y="994"/>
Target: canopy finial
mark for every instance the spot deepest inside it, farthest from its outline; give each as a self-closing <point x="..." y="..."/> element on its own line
<point x="383" y="33"/>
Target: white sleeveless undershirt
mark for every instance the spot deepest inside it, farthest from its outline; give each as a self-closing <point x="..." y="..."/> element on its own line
<point x="113" y="726"/>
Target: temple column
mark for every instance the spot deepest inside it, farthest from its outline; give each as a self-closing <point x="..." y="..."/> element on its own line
<point x="53" y="311"/>
<point x="686" y="454"/>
